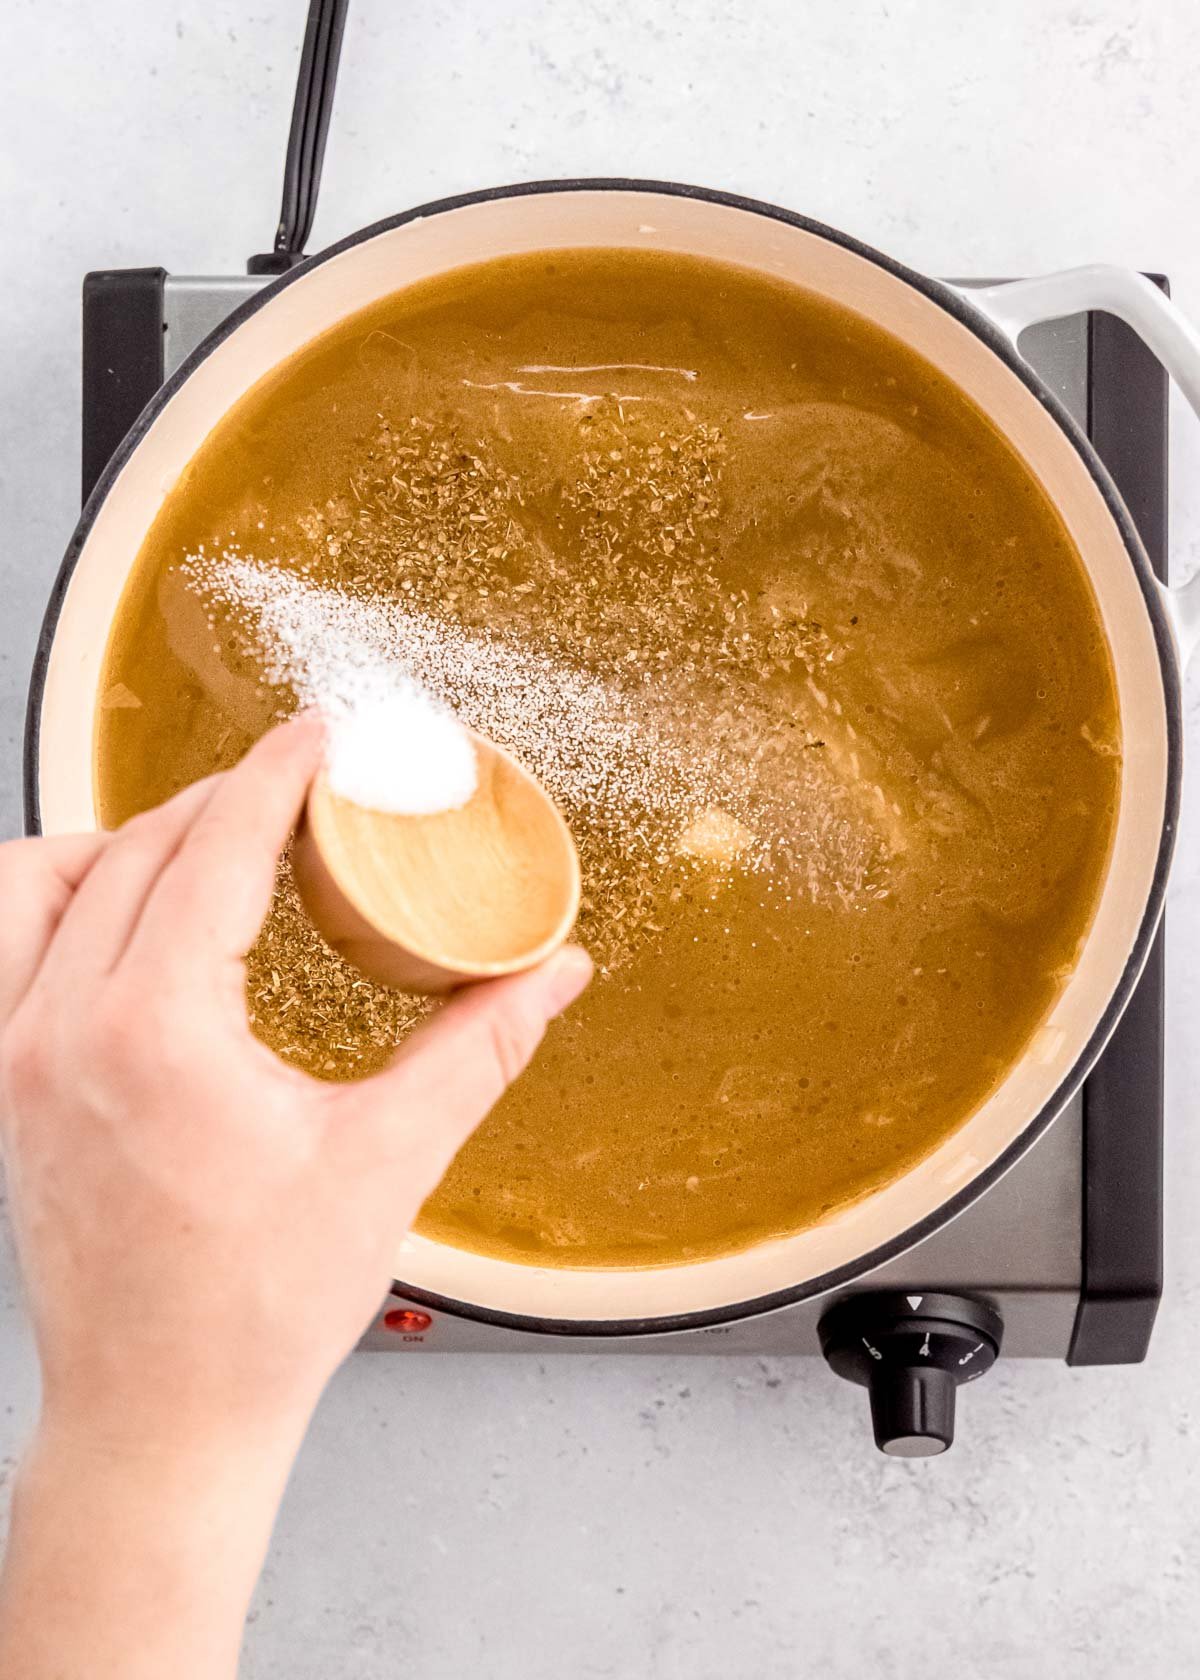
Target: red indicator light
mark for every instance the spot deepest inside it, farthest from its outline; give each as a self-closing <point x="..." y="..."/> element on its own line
<point x="407" y="1320"/>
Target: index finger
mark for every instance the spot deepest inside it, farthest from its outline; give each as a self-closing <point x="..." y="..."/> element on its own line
<point x="211" y="899"/>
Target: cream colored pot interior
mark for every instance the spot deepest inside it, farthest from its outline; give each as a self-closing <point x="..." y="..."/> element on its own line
<point x="425" y="247"/>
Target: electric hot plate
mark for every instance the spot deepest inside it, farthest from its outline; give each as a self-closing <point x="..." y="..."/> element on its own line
<point x="1063" y="1257"/>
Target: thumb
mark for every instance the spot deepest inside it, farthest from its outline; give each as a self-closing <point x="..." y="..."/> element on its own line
<point x="459" y="1064"/>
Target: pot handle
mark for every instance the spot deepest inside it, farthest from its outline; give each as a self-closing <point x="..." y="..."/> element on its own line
<point x="1014" y="305"/>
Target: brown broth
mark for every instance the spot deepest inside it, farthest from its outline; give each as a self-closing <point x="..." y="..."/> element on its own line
<point x="814" y="558"/>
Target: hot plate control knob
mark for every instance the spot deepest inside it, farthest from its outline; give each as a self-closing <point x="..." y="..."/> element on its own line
<point x="912" y="1352"/>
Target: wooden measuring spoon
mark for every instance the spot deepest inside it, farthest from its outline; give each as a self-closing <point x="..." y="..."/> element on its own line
<point x="427" y="903"/>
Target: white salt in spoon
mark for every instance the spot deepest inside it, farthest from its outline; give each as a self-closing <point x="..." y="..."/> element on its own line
<point x="428" y="900"/>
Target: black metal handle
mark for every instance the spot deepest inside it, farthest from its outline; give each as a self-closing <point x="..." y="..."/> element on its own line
<point x="306" y="139"/>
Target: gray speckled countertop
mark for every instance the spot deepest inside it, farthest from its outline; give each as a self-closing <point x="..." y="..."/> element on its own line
<point x="653" y="1519"/>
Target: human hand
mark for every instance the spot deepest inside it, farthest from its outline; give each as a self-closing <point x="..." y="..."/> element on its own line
<point x="204" y="1231"/>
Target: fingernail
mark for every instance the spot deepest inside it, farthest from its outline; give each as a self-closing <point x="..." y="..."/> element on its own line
<point x="567" y="973"/>
<point x="310" y="717"/>
<point x="311" y="738"/>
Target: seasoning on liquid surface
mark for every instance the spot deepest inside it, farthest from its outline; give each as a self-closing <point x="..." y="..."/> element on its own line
<point x="799" y="646"/>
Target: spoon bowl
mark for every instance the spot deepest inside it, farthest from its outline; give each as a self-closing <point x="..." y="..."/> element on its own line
<point x="427" y="903"/>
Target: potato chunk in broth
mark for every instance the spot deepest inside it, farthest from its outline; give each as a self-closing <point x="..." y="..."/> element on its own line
<point x="788" y="629"/>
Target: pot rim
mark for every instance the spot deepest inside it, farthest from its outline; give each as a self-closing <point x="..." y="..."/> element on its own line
<point x="995" y="340"/>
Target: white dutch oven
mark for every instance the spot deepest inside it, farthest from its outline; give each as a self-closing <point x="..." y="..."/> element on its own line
<point x="971" y="340"/>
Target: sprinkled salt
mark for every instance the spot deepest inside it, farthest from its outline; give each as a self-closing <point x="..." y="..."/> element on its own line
<point x="661" y="786"/>
<point x="393" y="748"/>
<point x="588" y="741"/>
